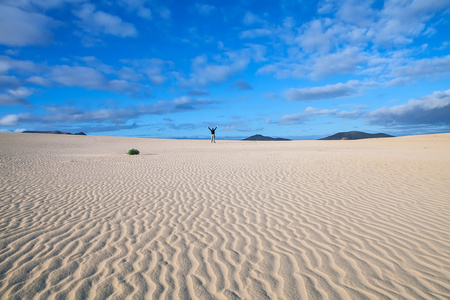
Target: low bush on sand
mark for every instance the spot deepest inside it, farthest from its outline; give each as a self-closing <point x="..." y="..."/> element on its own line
<point x="133" y="151"/>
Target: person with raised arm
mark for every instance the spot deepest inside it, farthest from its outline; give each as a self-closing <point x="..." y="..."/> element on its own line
<point x="213" y="133"/>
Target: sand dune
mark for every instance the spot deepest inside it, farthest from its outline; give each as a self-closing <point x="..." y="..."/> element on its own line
<point x="367" y="219"/>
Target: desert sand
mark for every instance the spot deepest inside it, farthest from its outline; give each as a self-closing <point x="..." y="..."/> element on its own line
<point x="187" y="219"/>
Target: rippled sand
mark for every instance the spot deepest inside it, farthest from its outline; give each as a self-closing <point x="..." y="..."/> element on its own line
<point x="186" y="219"/>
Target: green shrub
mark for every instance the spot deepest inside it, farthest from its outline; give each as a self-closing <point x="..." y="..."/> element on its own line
<point x="133" y="151"/>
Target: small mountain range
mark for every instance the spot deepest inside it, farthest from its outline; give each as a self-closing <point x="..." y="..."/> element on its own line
<point x="355" y="135"/>
<point x="259" y="137"/>
<point x="53" y="132"/>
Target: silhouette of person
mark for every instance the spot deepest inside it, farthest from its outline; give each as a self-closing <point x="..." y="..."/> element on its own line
<point x="213" y="134"/>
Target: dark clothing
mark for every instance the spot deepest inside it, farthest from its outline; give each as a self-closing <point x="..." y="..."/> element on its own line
<point x="213" y="131"/>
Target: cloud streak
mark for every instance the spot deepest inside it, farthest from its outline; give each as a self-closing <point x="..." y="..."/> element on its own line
<point x="133" y="78"/>
<point x="73" y="115"/>
<point x="96" y="22"/>
<point x="24" y="28"/>
<point x="427" y="67"/>
<point x="205" y="72"/>
<point x="13" y="97"/>
<point x="356" y="37"/>
<point x="339" y="90"/>
<point x="306" y="115"/>
<point x="432" y="109"/>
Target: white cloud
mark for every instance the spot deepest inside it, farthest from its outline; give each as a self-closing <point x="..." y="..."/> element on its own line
<point x="306" y="115"/>
<point x="8" y="81"/>
<point x="21" y="92"/>
<point x="316" y="36"/>
<point x="24" y="28"/>
<point x="61" y="114"/>
<point x="325" y="6"/>
<point x="341" y="62"/>
<point x="92" y="79"/>
<point x="226" y="66"/>
<point x="255" y="33"/>
<point x="204" y="9"/>
<point x="205" y="72"/>
<point x="432" y="109"/>
<point x="258" y="52"/>
<point x="78" y="76"/>
<point x="286" y="69"/>
<point x="310" y="112"/>
<point x="397" y="22"/>
<point x="426" y="112"/>
<point x="8" y="64"/>
<point x="424" y="67"/>
<point x="251" y="19"/>
<point x="401" y="21"/>
<point x="339" y="90"/>
<point x="12" y="119"/>
<point x="357" y="12"/>
<point x="95" y="21"/>
<point x="165" y="13"/>
<point x="15" y="96"/>
<point x="356" y="36"/>
<point x="154" y="69"/>
<point x="38" y="80"/>
<point x="132" y="78"/>
<point x="139" y="6"/>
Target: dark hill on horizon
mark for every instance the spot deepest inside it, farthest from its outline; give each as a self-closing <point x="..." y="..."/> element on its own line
<point x="259" y="137"/>
<point x="356" y="135"/>
<point x="53" y="132"/>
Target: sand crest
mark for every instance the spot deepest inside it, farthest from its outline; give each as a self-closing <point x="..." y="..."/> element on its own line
<point x="186" y="219"/>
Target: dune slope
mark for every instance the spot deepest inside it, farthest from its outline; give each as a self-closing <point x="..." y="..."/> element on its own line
<point x="365" y="219"/>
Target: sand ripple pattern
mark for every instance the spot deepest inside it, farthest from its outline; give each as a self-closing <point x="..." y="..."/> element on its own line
<point x="236" y="220"/>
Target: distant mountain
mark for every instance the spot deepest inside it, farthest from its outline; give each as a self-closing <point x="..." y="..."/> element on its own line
<point x="258" y="137"/>
<point x="355" y="135"/>
<point x="53" y="132"/>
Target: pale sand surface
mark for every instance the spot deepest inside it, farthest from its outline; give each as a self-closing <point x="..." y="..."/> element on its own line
<point x="186" y="219"/>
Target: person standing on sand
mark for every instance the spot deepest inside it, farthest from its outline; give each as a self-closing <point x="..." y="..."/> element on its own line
<point x="213" y="133"/>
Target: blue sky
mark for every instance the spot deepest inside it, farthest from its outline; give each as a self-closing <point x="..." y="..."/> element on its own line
<point x="167" y="69"/>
